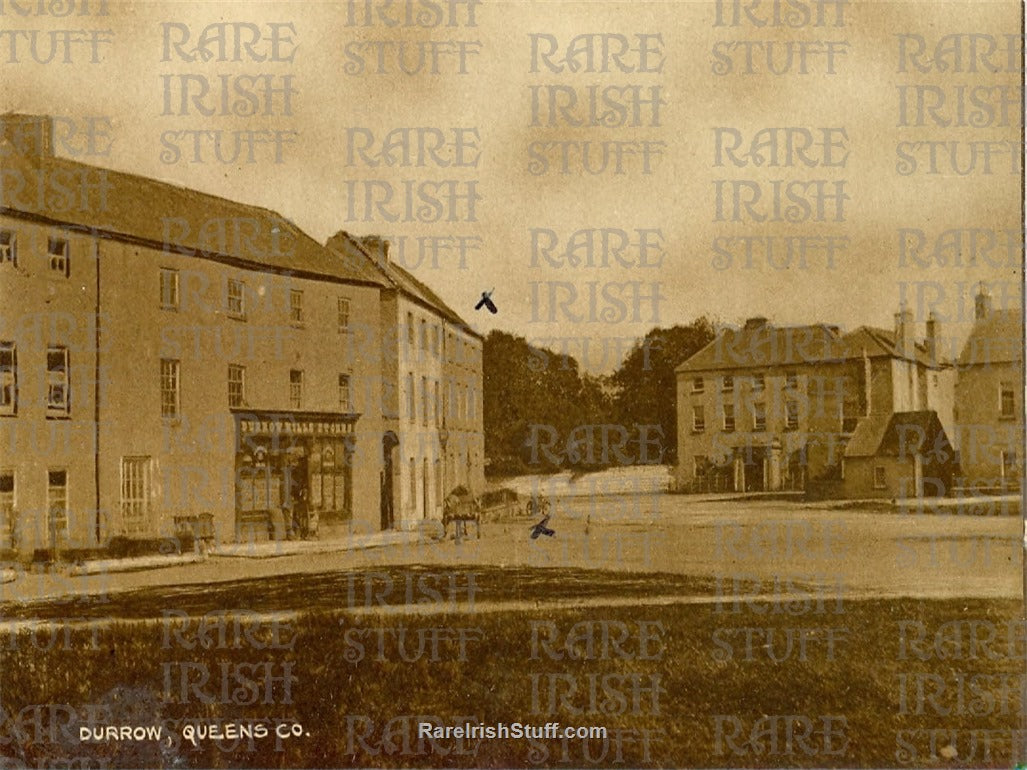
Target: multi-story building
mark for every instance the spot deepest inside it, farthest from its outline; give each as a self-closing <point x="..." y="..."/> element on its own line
<point x="989" y="398"/>
<point x="770" y="408"/>
<point x="432" y="393"/>
<point x="166" y="354"/>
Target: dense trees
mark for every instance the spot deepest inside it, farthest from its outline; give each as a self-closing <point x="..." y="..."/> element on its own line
<point x="543" y="413"/>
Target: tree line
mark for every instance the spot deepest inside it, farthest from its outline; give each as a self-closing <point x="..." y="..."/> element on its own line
<point x="543" y="413"/>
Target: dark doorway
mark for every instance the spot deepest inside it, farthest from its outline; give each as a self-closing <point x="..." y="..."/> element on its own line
<point x="755" y="469"/>
<point x="389" y="443"/>
<point x="298" y="491"/>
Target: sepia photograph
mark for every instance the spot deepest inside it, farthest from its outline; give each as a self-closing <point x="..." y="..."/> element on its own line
<point x="512" y="384"/>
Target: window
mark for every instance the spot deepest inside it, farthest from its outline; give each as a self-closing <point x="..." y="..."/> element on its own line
<point x="759" y="417"/>
<point x="343" y="307"/>
<point x="296" y="388"/>
<point x="168" y="289"/>
<point x="236" y="385"/>
<point x="344" y="396"/>
<point x="880" y="479"/>
<point x="698" y="419"/>
<point x="424" y="335"/>
<point x="727" y="383"/>
<point x="296" y="306"/>
<point x="791" y="380"/>
<point x="8" y="378"/>
<point x="792" y="415"/>
<point x="699" y="466"/>
<point x="236" y="302"/>
<point x="437" y="406"/>
<point x="1008" y="464"/>
<point x="8" y="247"/>
<point x="135" y="493"/>
<point x="413" y="484"/>
<point x="411" y="398"/>
<point x="729" y="418"/>
<point x="330" y="476"/>
<point x="435" y="334"/>
<point x="698" y="385"/>
<point x="58" y="399"/>
<point x="410" y="330"/>
<point x="6" y="509"/>
<point x="759" y="382"/>
<point x="1007" y="401"/>
<point x="438" y="481"/>
<point x="60" y="262"/>
<point x="424" y="400"/>
<point x="57" y="501"/>
<point x="169" y="388"/>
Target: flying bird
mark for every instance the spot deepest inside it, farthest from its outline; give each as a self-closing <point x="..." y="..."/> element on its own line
<point x="542" y="529"/>
<point x="486" y="301"/>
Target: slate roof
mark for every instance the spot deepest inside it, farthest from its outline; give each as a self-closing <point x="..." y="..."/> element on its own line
<point x="994" y="339"/>
<point x="166" y="216"/>
<point x="888" y="434"/>
<point x="768" y="345"/>
<point x="396" y="276"/>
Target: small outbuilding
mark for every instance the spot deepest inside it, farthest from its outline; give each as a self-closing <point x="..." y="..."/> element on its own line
<point x="898" y="455"/>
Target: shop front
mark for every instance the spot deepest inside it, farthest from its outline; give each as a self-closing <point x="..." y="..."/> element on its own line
<point x="293" y="473"/>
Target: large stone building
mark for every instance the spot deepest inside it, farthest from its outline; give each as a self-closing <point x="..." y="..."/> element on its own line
<point x="766" y="408"/>
<point x="169" y="356"/>
<point x="432" y="374"/>
<point x="989" y="398"/>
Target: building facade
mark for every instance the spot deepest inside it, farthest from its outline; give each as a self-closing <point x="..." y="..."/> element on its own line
<point x="989" y="398"/>
<point x="168" y="356"/>
<point x="432" y="393"/>
<point x="766" y="408"/>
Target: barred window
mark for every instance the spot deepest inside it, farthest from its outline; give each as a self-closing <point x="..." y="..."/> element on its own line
<point x="59" y="255"/>
<point x="729" y="418"/>
<point x="345" y="404"/>
<point x="236" y="298"/>
<point x="343" y="308"/>
<point x="8" y="378"/>
<point x="7" y="509"/>
<point x="58" y="398"/>
<point x="296" y="388"/>
<point x="168" y="289"/>
<point x="57" y="500"/>
<point x="135" y="493"/>
<point x="698" y="419"/>
<point x="169" y="388"/>
<point x="759" y="417"/>
<point x="236" y="385"/>
<point x="8" y="247"/>
<point x="792" y="415"/>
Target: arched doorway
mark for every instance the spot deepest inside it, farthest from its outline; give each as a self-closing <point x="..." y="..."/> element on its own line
<point x="389" y="444"/>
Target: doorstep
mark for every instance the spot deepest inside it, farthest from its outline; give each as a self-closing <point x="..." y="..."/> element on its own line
<point x="272" y="548"/>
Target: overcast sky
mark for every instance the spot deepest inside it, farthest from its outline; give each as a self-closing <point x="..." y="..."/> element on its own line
<point x="312" y="183"/>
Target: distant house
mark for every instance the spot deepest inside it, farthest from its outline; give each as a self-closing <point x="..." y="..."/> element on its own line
<point x="766" y="408"/>
<point x="906" y="454"/>
<point x="989" y="395"/>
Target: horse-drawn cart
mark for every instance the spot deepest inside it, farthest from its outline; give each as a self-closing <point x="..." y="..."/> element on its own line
<point x="461" y="508"/>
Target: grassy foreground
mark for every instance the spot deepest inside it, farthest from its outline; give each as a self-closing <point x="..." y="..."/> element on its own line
<point x="676" y="686"/>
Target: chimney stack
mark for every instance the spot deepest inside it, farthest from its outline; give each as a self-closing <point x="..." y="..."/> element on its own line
<point x="982" y="302"/>
<point x="31" y="136"/>
<point x="904" y="331"/>
<point x="932" y="337"/>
